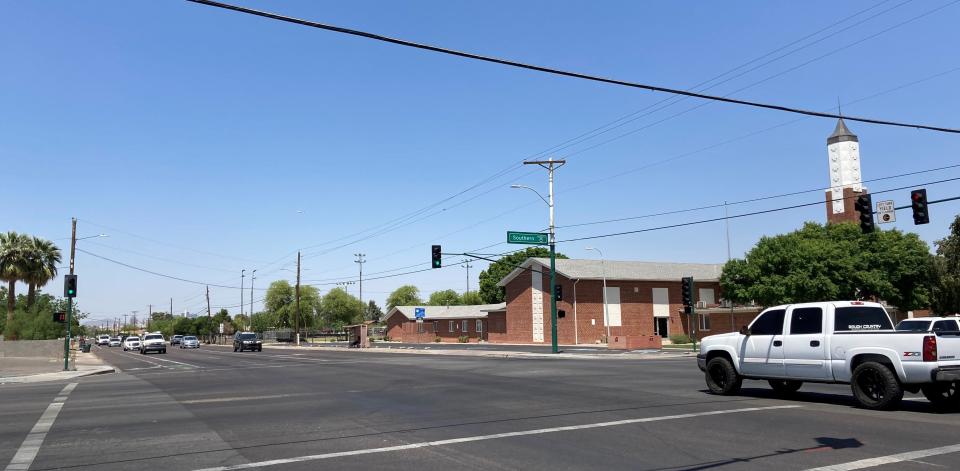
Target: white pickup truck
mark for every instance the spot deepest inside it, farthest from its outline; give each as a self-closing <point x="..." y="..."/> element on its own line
<point x="848" y="342"/>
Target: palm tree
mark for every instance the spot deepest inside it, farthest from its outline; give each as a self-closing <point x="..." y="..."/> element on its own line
<point x="13" y="264"/>
<point x="42" y="259"/>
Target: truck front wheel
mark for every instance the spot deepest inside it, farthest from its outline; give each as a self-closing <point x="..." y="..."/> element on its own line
<point x="722" y="377"/>
<point x="945" y="396"/>
<point x="875" y="386"/>
<point x="785" y="386"/>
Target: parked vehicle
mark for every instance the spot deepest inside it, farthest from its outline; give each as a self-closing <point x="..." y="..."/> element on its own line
<point x="132" y="342"/>
<point x="930" y="324"/>
<point x="175" y="340"/>
<point x="247" y="341"/>
<point x="103" y="340"/>
<point x="848" y="342"/>
<point x="190" y="341"/>
<point x="114" y="342"/>
<point x="153" y="343"/>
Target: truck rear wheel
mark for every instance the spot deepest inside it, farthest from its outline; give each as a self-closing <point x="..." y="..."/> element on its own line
<point x="944" y="396"/>
<point x="722" y="377"/>
<point x="785" y="386"/>
<point x="875" y="386"/>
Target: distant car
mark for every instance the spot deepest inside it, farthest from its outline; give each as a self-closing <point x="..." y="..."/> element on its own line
<point x="175" y="340"/>
<point x="114" y="342"/>
<point x="247" y="341"/>
<point x="189" y="341"/>
<point x="103" y="340"/>
<point x="929" y="324"/>
<point x="132" y="342"/>
<point x="153" y="343"/>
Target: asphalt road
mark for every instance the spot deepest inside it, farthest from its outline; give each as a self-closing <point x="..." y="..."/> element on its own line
<point x="284" y="409"/>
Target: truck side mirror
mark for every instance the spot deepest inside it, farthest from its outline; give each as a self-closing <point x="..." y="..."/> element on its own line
<point x="744" y="330"/>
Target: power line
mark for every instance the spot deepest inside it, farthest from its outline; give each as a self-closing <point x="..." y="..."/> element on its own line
<point x="736" y="216"/>
<point x="158" y="273"/>
<point x="750" y="200"/>
<point x="579" y="75"/>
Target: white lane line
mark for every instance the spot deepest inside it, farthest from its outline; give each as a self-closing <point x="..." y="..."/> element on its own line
<point x="889" y="459"/>
<point x="31" y="445"/>
<point x="452" y="441"/>
<point x="242" y="398"/>
<point x="177" y="362"/>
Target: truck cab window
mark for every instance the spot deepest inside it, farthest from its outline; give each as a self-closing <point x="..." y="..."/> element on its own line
<point x="769" y="323"/>
<point x="807" y="320"/>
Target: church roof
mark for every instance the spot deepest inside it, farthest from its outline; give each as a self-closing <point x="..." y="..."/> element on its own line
<point x="841" y="134"/>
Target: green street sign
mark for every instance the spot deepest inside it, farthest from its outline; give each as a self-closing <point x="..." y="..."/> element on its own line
<point x="531" y="238"/>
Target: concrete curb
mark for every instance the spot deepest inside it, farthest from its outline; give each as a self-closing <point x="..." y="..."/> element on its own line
<point x="490" y="353"/>
<point x="57" y="376"/>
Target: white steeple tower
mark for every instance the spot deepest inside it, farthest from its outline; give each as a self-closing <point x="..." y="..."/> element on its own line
<point x="843" y="152"/>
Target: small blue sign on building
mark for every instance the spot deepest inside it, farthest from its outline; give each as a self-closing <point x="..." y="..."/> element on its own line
<point x="420" y="312"/>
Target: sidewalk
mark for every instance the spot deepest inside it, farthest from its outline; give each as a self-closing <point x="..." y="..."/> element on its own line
<point x="36" y="370"/>
<point x="501" y="351"/>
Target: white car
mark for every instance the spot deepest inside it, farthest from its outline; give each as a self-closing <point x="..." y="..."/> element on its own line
<point x="153" y="343"/>
<point x="929" y="324"/>
<point x="189" y="341"/>
<point x="103" y="340"/>
<point x="846" y="342"/>
<point x="131" y="343"/>
<point x="115" y="342"/>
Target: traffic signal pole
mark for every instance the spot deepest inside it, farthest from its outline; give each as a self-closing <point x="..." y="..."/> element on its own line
<point x="551" y="165"/>
<point x="73" y="252"/>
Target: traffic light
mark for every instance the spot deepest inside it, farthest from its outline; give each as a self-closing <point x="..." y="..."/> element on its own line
<point x="60" y="317"/>
<point x="918" y="200"/>
<point x="558" y="292"/>
<point x="686" y="291"/>
<point x="864" y="206"/>
<point x="435" y="256"/>
<point x="70" y="286"/>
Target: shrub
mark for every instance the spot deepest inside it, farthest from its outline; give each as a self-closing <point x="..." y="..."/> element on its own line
<point x="680" y="338"/>
<point x="437" y="339"/>
<point x="463" y="339"/>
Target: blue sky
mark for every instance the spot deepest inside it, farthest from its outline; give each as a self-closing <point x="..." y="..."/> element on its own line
<point x="204" y="141"/>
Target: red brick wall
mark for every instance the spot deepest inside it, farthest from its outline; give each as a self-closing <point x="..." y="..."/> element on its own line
<point x="636" y="306"/>
<point x="401" y="329"/>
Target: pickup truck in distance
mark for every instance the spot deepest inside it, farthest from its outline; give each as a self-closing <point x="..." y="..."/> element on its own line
<point x="846" y="342"/>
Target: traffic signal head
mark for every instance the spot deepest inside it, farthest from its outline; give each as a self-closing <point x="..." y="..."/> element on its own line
<point x="60" y="317"/>
<point x="686" y="292"/>
<point x="864" y="206"/>
<point x="70" y="286"/>
<point x="435" y="256"/>
<point x="918" y="201"/>
<point x="558" y="292"/>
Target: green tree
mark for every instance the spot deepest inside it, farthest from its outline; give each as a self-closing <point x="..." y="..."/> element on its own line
<point x="406" y="295"/>
<point x="263" y="321"/>
<point x="279" y="302"/>
<point x="13" y="268"/>
<point x="42" y="258"/>
<point x="446" y="297"/>
<point x="471" y="298"/>
<point x="373" y="312"/>
<point x="341" y="308"/>
<point x="489" y="291"/>
<point x="837" y="261"/>
<point x="945" y="268"/>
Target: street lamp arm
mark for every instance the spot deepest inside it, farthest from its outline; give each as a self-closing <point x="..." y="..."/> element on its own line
<point x="531" y="189"/>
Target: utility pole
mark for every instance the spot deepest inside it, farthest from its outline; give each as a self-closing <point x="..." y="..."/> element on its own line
<point x="73" y="252"/>
<point x="241" y="289"/>
<point x="171" y="306"/>
<point x="150" y="311"/>
<point x="124" y="321"/>
<point x="297" y="327"/>
<point x="209" y="332"/>
<point x="360" y="260"/>
<point x="468" y="266"/>
<point x="253" y="276"/>
<point x="551" y="165"/>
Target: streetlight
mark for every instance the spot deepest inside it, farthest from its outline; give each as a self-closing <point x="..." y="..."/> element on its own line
<point x="94" y="236"/>
<point x="253" y="276"/>
<point x="550" y="165"/>
<point x="603" y="271"/>
<point x="242" y="275"/>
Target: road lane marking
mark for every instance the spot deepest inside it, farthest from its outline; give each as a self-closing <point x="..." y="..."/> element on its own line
<point x="31" y="445"/>
<point x="242" y="398"/>
<point x="890" y="459"/>
<point x="453" y="441"/>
